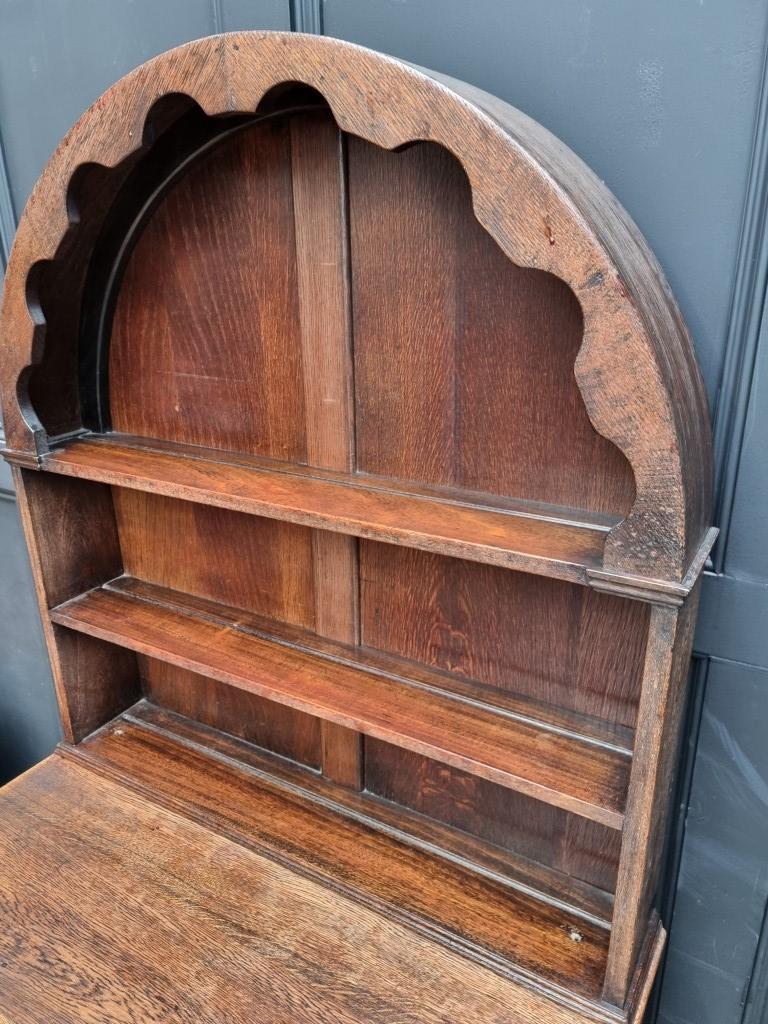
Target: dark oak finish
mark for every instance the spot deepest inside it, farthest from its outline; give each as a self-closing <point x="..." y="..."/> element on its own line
<point x="322" y="254"/>
<point x="560" y="769"/>
<point x="636" y="369"/>
<point x="73" y="543"/>
<point x="272" y="726"/>
<point x="234" y="559"/>
<point x="658" y="724"/>
<point x="507" y="700"/>
<point x="461" y="409"/>
<point x="365" y="469"/>
<point x="488" y="918"/>
<point x="552" y="542"/>
<point x="581" y="849"/>
<point x="556" y="885"/>
<point x="137" y="934"/>
<point x="484" y="623"/>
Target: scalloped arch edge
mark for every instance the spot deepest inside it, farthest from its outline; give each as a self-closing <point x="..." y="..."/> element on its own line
<point x="636" y="370"/>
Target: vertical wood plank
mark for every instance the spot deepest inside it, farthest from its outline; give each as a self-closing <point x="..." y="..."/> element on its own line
<point x="461" y="336"/>
<point x="319" y="196"/>
<point x="205" y="346"/>
<point x="662" y="701"/>
<point x="27" y="522"/>
<point x="69" y="526"/>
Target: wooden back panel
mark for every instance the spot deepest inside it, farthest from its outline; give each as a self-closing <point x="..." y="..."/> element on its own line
<point x="463" y="378"/>
<point x="544" y="209"/>
<point x="238" y="560"/>
<point x="205" y="344"/>
<point x="477" y="353"/>
<point x="225" y="336"/>
<point x="548" y="640"/>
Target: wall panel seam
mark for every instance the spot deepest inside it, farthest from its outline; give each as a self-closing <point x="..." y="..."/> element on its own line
<point x="307" y="16"/>
<point x="755" y="997"/>
<point x="217" y="16"/>
<point x="7" y="226"/>
<point x="744" y="327"/>
<point x="7" y="211"/>
<point x="697" y="684"/>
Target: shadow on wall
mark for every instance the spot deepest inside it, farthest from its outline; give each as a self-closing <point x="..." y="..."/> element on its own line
<point x="29" y="727"/>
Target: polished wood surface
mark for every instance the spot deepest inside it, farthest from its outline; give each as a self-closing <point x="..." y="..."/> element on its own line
<point x="203" y="551"/>
<point x="273" y="727"/>
<point x="649" y="803"/>
<point x="555" y="884"/>
<point x="73" y="544"/>
<point x="481" y="914"/>
<point x="582" y="849"/>
<point x="116" y="909"/>
<point x="365" y="469"/>
<point x="318" y="170"/>
<point x="202" y="391"/>
<point x="560" y="644"/>
<point x="552" y="543"/>
<point x="464" y="412"/>
<point x="557" y="768"/>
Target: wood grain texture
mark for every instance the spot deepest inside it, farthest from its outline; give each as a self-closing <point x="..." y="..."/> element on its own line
<point x="484" y="919"/>
<point x="635" y="369"/>
<point x="561" y="644"/>
<point x="322" y="261"/>
<point x="55" y="291"/>
<point x="522" y="413"/>
<point x="319" y="199"/>
<point x="72" y="530"/>
<point x="543" y="639"/>
<point x="126" y="869"/>
<point x="657" y="750"/>
<point x="255" y="564"/>
<point x="271" y="726"/>
<point x="579" y="848"/>
<point x="473" y="853"/>
<point x="367" y="659"/>
<point x="467" y="334"/>
<point x="99" y="680"/>
<point x="73" y="545"/>
<point x="558" y="769"/>
<point x="190" y="348"/>
<point x="553" y="546"/>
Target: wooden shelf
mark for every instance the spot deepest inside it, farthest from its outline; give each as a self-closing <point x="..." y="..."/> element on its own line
<point x="472" y="853"/>
<point x="515" y="931"/>
<point x="578" y="773"/>
<point x="92" y="864"/>
<point x="540" y="539"/>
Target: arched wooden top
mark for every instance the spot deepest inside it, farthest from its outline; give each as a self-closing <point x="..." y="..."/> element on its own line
<point x="636" y="369"/>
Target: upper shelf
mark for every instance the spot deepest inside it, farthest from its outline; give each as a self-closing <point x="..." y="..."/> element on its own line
<point x="532" y="538"/>
<point x="561" y="543"/>
<point x="521" y="293"/>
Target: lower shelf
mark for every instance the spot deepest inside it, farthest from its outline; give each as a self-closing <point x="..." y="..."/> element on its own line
<point x="142" y="870"/>
<point x="498" y="865"/>
<point x="490" y="921"/>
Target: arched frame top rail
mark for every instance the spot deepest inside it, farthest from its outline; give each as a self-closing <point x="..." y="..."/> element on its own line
<point x="636" y="369"/>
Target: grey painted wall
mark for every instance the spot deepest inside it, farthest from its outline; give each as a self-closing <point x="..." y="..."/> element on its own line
<point x="658" y="98"/>
<point x="667" y="102"/>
